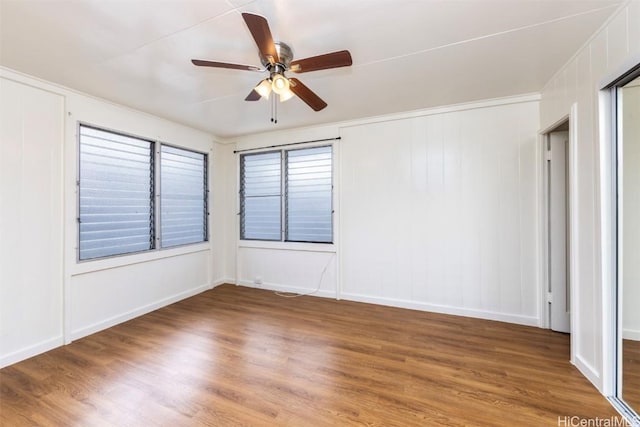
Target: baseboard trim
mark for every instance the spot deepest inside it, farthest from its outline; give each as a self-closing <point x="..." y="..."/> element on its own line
<point x="588" y="371"/>
<point x="631" y="334"/>
<point x="412" y="305"/>
<point x="223" y="281"/>
<point x="32" y="350"/>
<point x="289" y="289"/>
<point x="120" y="318"/>
<point x="443" y="309"/>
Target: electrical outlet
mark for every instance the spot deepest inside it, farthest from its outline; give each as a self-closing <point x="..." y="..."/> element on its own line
<point x="258" y="280"/>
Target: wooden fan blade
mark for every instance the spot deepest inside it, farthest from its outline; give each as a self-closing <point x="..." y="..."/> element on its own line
<point x="322" y="62"/>
<point x="259" y="28"/>
<point x="253" y="96"/>
<point x="201" y="63"/>
<point x="307" y="95"/>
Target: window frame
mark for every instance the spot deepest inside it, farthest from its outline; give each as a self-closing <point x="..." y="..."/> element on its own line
<point x="158" y="203"/>
<point x="285" y="186"/>
<point x="242" y="197"/>
<point x="284" y="199"/>
<point x="156" y="147"/>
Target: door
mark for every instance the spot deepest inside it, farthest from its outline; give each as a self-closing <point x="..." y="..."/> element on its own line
<point x="558" y="241"/>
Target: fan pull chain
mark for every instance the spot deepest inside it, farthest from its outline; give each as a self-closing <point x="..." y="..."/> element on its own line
<point x="274" y="108"/>
<point x="272" y="99"/>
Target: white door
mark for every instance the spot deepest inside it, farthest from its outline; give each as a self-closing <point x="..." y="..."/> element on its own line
<point x="557" y="214"/>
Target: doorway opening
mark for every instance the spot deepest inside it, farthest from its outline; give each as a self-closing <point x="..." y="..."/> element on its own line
<point x="557" y="286"/>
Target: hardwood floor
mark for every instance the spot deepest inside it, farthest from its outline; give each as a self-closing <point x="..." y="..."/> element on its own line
<point x="240" y="356"/>
<point x="631" y="373"/>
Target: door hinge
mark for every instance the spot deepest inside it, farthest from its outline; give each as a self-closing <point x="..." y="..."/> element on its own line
<point x="549" y="297"/>
<point x="547" y="155"/>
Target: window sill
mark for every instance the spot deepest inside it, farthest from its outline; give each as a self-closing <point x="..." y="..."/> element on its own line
<point x="90" y="266"/>
<point x="287" y="246"/>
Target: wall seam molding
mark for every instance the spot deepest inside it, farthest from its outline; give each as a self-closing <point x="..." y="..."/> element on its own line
<point x="49" y="86"/>
<point x="423" y="112"/>
<point x="474" y="105"/>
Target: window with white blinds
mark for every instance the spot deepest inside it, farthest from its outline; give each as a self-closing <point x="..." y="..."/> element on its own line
<point x="261" y="200"/>
<point x="183" y="197"/>
<point x="116" y="194"/>
<point x="290" y="200"/>
<point x="117" y="191"/>
<point x="308" y="195"/>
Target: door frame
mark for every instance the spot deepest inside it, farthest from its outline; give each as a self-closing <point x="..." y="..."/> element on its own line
<point x="557" y="238"/>
<point x="572" y="224"/>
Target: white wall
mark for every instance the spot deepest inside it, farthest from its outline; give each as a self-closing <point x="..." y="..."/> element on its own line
<point x="31" y="212"/>
<point x="47" y="296"/>
<point x="435" y="210"/>
<point x="226" y="214"/>
<point x="631" y="212"/>
<point x="439" y="212"/>
<point x="607" y="53"/>
<point x="288" y="270"/>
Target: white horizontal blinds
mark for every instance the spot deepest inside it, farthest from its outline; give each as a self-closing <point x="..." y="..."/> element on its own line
<point x="183" y="195"/>
<point x="260" y="196"/>
<point x="116" y="203"/>
<point x="308" y="196"/>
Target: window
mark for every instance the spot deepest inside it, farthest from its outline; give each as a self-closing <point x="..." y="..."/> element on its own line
<point x="261" y="196"/>
<point x="116" y="194"/>
<point x="309" y="195"/>
<point x="287" y="195"/>
<point x="117" y="191"/>
<point x="183" y="197"/>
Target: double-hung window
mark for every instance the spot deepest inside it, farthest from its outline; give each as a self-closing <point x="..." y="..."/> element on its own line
<point x="286" y="195"/>
<point x="119" y="186"/>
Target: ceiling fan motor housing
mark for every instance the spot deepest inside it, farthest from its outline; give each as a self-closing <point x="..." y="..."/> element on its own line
<point x="285" y="54"/>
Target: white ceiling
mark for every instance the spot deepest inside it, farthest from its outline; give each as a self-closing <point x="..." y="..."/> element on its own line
<point x="407" y="54"/>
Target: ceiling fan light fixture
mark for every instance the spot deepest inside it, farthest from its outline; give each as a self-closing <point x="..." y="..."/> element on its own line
<point x="286" y="95"/>
<point x="280" y="84"/>
<point x="264" y="88"/>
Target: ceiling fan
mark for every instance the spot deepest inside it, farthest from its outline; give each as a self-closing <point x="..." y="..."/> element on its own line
<point x="277" y="58"/>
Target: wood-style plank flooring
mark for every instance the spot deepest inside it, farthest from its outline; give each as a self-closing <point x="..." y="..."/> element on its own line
<point x="631" y="373"/>
<point x="240" y="356"/>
